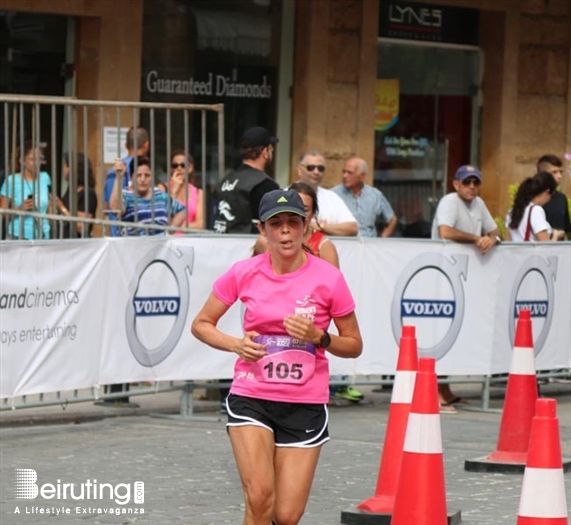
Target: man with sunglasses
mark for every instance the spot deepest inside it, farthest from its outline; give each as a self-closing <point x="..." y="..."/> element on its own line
<point x="334" y="217"/>
<point x="238" y="195"/>
<point x="462" y="216"/>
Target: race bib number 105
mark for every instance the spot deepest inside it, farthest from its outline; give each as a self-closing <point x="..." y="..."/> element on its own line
<point x="289" y="360"/>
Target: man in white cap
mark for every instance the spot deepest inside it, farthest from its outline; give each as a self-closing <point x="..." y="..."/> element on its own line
<point x="462" y="216"/>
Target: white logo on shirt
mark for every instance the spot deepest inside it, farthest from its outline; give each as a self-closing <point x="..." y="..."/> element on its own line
<point x="225" y="210"/>
<point x="304" y="310"/>
<point x="228" y="186"/>
<point x="305" y="300"/>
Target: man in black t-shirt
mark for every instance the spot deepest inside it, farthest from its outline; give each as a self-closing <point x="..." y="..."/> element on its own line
<point x="238" y="195"/>
<point x="556" y="210"/>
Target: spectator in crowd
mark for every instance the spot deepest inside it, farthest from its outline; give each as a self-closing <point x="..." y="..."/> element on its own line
<point x="277" y="423"/>
<point x="181" y="187"/>
<point x="137" y="145"/>
<point x="238" y="195"/>
<point x="527" y="221"/>
<point x="85" y="197"/>
<point x="145" y="204"/>
<point x="556" y="209"/>
<point x="28" y="191"/>
<point x="366" y="203"/>
<point x="334" y="217"/>
<point x="462" y="216"/>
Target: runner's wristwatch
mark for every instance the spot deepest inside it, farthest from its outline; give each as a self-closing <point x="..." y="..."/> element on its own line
<point x="325" y="340"/>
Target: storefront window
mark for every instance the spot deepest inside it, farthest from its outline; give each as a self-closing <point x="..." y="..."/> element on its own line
<point x="210" y="52"/>
<point x="426" y="123"/>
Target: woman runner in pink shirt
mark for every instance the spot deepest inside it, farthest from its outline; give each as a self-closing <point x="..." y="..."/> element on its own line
<point x="277" y="407"/>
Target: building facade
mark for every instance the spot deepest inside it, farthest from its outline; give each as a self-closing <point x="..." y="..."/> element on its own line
<point x="415" y="88"/>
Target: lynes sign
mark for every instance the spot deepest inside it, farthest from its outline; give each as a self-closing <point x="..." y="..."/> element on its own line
<point x="214" y="85"/>
<point x="427" y="22"/>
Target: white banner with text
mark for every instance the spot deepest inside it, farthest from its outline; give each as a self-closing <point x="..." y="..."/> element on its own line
<point x="76" y="314"/>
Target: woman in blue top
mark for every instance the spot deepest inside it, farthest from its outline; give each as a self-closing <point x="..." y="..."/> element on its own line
<point x="142" y="203"/>
<point x="27" y="191"/>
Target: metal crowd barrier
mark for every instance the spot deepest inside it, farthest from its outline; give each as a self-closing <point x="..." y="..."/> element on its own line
<point x="90" y="133"/>
<point x="187" y="388"/>
<point x="104" y="224"/>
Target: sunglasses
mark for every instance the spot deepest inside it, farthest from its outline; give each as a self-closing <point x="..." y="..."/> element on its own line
<point x="313" y="167"/>
<point x="471" y="180"/>
<point x="176" y="165"/>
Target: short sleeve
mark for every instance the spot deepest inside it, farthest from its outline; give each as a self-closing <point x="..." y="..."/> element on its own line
<point x="343" y="212"/>
<point x="5" y="186"/>
<point x="109" y="182"/>
<point x="342" y="302"/>
<point x="176" y="206"/>
<point x="538" y="220"/>
<point x="446" y="213"/>
<point x="488" y="222"/>
<point x="225" y="287"/>
<point x="385" y="209"/>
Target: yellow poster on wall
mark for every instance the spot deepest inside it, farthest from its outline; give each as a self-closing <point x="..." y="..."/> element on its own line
<point x="386" y="103"/>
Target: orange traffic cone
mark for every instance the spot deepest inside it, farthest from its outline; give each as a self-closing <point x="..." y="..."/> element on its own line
<point x="519" y="407"/>
<point x="543" y="493"/>
<point x="421" y="495"/>
<point x="401" y="399"/>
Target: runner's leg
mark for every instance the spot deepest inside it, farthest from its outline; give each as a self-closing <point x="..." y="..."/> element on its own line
<point x="253" y="448"/>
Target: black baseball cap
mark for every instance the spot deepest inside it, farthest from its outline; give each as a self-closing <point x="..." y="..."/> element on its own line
<point x="255" y="137"/>
<point x="280" y="201"/>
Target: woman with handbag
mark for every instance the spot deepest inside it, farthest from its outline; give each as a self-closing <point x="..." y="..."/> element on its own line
<point x="526" y="220"/>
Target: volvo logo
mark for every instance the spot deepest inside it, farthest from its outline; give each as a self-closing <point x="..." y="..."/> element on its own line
<point x="158" y="303"/>
<point x="430" y="290"/>
<point x="534" y="290"/>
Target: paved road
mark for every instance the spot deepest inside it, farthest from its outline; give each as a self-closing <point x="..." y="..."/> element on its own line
<point x="189" y="472"/>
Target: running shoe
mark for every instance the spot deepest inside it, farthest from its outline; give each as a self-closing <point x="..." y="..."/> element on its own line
<point x="348" y="392"/>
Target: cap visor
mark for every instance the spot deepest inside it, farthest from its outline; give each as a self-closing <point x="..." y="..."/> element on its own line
<point x="272" y="213"/>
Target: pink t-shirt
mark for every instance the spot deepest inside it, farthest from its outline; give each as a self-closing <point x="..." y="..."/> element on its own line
<point x="294" y="373"/>
<point x="190" y="205"/>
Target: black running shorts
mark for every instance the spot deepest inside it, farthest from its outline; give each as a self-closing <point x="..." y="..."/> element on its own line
<point x="301" y="425"/>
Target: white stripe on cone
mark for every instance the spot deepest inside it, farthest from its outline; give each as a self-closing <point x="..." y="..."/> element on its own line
<point x="403" y="386"/>
<point x="423" y="434"/>
<point x="543" y="494"/>
<point x="523" y="361"/>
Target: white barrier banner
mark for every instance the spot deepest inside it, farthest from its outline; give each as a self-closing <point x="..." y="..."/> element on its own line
<point x="75" y="314"/>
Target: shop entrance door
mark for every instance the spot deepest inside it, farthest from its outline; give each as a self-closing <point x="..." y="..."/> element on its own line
<point x="427" y="122"/>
